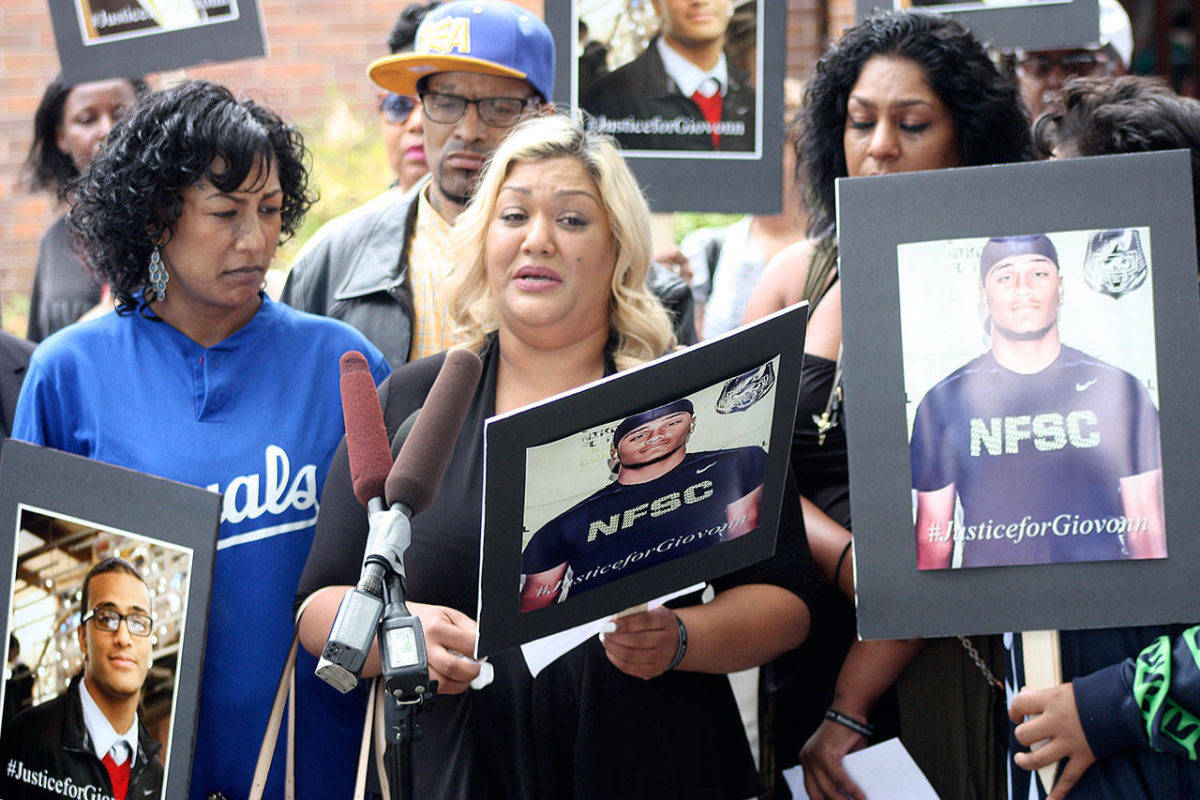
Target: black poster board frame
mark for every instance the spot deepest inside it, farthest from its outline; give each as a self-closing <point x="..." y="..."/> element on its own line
<point x="508" y="437"/>
<point x="141" y="505"/>
<point x="896" y="599"/>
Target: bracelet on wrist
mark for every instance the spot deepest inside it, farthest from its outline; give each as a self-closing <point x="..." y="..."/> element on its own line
<point x="679" y="653"/>
<point x="862" y="728"/>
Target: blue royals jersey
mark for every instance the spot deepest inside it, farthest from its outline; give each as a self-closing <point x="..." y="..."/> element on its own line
<point x="256" y="417"/>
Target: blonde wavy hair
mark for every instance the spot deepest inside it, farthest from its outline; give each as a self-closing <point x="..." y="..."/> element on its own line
<point x="637" y="319"/>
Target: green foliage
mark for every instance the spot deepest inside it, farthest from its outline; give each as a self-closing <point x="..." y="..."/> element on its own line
<point x="348" y="166"/>
<point x="686" y="222"/>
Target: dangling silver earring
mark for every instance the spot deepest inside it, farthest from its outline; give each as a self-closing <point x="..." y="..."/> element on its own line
<point x="158" y="277"/>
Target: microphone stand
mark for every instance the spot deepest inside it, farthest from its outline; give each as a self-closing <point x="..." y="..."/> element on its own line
<point x="375" y="610"/>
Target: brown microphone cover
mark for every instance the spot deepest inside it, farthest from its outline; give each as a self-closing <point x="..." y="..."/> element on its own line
<point x="426" y="452"/>
<point x="366" y="436"/>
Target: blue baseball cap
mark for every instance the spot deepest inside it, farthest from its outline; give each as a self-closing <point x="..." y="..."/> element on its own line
<point x="488" y="37"/>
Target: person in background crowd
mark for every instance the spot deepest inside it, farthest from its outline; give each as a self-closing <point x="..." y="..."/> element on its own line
<point x="201" y="378"/>
<point x="683" y="74"/>
<point x="1124" y="717"/>
<point x="900" y="92"/>
<point x="14" y="359"/>
<point x="91" y="736"/>
<point x="380" y="267"/>
<point x="1041" y="73"/>
<point x="551" y="291"/>
<point x="727" y="262"/>
<point x="741" y="40"/>
<point x="18" y="682"/>
<point x="593" y="58"/>
<point x="69" y="126"/>
<point x="400" y="121"/>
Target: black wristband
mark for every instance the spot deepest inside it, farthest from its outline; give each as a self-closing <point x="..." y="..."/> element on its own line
<point x="682" y="646"/>
<point x="837" y="571"/>
<point x="863" y="728"/>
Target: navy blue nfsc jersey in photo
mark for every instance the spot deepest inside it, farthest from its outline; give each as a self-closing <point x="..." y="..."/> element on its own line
<point x="624" y="528"/>
<point x="1036" y="460"/>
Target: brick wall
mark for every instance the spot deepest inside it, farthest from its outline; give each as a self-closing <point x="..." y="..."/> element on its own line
<point x="318" y="52"/>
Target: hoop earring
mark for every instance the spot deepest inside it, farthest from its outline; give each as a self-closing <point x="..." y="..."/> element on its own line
<point x="158" y="277"/>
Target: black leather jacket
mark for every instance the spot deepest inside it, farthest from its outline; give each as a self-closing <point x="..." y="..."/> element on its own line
<point x="46" y="752"/>
<point x="355" y="269"/>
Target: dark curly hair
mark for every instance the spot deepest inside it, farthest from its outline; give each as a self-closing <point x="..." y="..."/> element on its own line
<point x="128" y="199"/>
<point x="990" y="125"/>
<point x="46" y="166"/>
<point x="404" y="32"/>
<point x="1128" y="114"/>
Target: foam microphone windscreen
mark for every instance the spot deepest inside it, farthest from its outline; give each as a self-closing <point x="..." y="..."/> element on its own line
<point x="366" y="436"/>
<point x="426" y="452"/>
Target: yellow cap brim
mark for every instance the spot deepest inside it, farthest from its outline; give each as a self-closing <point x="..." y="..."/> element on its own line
<point x="400" y="73"/>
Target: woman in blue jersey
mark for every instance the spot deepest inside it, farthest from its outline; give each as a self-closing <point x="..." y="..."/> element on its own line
<point x="199" y="377"/>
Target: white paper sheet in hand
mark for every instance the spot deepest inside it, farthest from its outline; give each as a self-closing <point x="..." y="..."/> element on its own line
<point x="885" y="771"/>
<point x="540" y="653"/>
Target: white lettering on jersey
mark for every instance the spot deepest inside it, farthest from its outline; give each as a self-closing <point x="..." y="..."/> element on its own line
<point x="274" y="491"/>
<point x="1045" y="432"/>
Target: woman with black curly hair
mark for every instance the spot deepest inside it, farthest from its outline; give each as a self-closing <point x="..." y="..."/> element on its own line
<point x="199" y="377"/>
<point x="69" y="126"/>
<point x="901" y="92"/>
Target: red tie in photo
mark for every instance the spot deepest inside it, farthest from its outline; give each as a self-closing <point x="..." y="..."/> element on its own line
<point x="118" y="774"/>
<point x="710" y="107"/>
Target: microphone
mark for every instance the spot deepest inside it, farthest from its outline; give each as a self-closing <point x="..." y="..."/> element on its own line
<point x="408" y="486"/>
<point x="425" y="454"/>
<point x="366" y="435"/>
<point x="370" y="458"/>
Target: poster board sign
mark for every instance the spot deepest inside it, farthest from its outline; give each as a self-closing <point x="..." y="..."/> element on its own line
<point x="1022" y="373"/>
<point x="684" y="162"/>
<point x="643" y="483"/>
<point x="62" y="515"/>
<point x="1013" y="24"/>
<point x="101" y="39"/>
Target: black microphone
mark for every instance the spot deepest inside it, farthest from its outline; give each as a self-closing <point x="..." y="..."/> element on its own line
<point x="409" y="486"/>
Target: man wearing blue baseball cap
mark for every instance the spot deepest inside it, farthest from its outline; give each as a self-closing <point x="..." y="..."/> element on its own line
<point x="1052" y="454"/>
<point x="478" y="67"/>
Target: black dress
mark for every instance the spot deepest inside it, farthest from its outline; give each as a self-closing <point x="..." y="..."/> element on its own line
<point x="63" y="287"/>
<point x="581" y="729"/>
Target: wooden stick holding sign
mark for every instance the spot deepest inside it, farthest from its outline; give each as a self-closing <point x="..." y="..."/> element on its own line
<point x="1043" y="669"/>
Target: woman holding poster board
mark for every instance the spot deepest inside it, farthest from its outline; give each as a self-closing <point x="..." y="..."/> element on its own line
<point x="901" y="92"/>
<point x="549" y="287"/>
<point x="199" y="377"/>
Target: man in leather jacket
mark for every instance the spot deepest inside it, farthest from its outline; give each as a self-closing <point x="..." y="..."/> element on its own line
<point x="377" y="267"/>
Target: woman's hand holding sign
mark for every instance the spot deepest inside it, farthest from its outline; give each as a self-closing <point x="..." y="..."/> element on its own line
<point x="643" y="644"/>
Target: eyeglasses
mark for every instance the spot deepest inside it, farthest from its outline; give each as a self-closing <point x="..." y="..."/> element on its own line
<point x="138" y="623"/>
<point x="397" y="108"/>
<point x="498" y="112"/>
<point x="1074" y="65"/>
